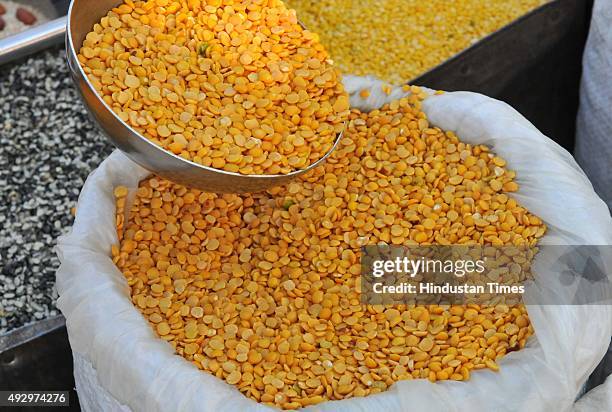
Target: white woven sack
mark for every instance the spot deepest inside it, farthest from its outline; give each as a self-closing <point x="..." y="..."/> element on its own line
<point x="120" y="364"/>
<point x="594" y="122"/>
<point x="598" y="399"/>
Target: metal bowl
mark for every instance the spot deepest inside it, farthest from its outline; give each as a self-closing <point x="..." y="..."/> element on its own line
<point x="82" y="15"/>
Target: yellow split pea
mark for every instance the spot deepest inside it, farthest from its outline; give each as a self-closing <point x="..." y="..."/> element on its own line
<point x="234" y="85"/>
<point x="397" y="40"/>
<point x="274" y="307"/>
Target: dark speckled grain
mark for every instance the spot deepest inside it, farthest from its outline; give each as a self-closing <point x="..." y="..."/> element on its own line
<point x="48" y="146"/>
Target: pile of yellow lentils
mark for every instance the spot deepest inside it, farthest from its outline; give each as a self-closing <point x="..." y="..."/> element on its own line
<point x="234" y="85"/>
<point x="397" y="40"/>
<point x="262" y="290"/>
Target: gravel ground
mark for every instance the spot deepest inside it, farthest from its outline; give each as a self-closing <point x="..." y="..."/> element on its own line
<point x="48" y="146"/>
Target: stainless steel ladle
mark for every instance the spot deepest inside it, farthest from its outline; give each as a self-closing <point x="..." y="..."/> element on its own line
<point x="82" y="16"/>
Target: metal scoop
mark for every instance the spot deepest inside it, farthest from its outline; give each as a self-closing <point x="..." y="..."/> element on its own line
<point x="82" y="16"/>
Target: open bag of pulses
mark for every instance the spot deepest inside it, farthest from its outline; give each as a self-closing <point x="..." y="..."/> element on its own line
<point x="137" y="338"/>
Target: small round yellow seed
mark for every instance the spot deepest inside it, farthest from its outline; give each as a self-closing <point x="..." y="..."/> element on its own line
<point x="247" y="287"/>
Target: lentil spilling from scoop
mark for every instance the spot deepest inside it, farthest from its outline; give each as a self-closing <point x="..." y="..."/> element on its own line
<point x="397" y="40"/>
<point x="238" y="86"/>
<point x="262" y="290"/>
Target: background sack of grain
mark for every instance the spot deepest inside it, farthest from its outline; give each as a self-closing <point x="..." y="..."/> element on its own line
<point x="594" y="123"/>
<point x="121" y="365"/>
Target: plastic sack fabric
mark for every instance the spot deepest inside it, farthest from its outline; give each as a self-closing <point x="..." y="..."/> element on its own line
<point x="120" y="364"/>
<point x="594" y="122"/>
<point x="597" y="399"/>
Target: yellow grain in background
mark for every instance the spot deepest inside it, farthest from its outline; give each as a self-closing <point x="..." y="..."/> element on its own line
<point x="397" y="40"/>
